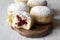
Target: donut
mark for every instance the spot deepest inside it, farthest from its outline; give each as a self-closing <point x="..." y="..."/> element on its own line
<point x="42" y="14"/>
<point x="25" y="1"/>
<point x="22" y="19"/>
<point x="33" y="3"/>
<point x="16" y="7"/>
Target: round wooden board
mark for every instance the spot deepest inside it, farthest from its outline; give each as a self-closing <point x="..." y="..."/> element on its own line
<point x="36" y="31"/>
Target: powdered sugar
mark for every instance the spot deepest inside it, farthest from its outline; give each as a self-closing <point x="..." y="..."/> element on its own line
<point x="37" y="1"/>
<point x="18" y="7"/>
<point x="41" y="10"/>
<point x="21" y="14"/>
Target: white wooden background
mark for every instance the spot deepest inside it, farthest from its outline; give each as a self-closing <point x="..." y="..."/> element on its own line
<point x="6" y="33"/>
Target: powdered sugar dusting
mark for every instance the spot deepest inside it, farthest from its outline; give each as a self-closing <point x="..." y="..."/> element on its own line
<point x="41" y="10"/>
<point x="22" y="13"/>
<point x="36" y="1"/>
<point x="18" y="6"/>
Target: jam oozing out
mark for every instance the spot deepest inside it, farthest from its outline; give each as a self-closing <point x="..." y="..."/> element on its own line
<point x="21" y="22"/>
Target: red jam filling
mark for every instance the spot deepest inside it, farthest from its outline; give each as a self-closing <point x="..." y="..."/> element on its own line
<point x="21" y="22"/>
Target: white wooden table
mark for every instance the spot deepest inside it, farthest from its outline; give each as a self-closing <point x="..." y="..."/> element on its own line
<point x="6" y="33"/>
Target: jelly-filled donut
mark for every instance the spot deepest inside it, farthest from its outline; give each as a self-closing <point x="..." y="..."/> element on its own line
<point x="16" y="7"/>
<point x="22" y="20"/>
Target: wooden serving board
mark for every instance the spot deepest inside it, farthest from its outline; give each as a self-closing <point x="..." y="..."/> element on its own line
<point x="36" y="31"/>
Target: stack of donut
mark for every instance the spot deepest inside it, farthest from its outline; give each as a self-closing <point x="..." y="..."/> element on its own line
<point x="25" y="13"/>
